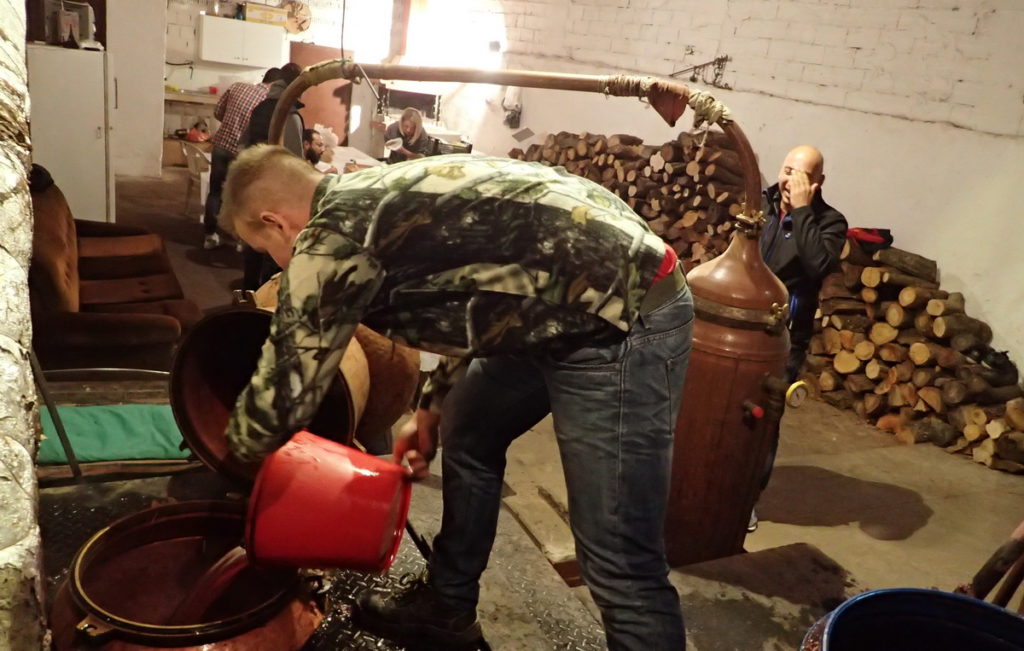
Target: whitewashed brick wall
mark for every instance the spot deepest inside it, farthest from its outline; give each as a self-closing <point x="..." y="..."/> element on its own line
<point x="955" y="61"/>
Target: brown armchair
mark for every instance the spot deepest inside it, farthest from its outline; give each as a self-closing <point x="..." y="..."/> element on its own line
<point x="103" y="295"/>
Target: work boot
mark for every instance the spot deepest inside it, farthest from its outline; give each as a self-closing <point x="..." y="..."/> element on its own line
<point x="415" y="616"/>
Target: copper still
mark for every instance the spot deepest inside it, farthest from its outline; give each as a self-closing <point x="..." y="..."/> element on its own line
<point x="732" y="402"/>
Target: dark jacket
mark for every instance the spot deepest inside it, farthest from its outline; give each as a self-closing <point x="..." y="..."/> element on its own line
<point x="801" y="250"/>
<point x="259" y="122"/>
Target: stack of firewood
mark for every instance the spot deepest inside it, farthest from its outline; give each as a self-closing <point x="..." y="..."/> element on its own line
<point x="905" y="356"/>
<point x="688" y="190"/>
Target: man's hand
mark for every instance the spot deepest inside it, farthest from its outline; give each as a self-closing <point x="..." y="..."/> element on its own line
<point x="417" y="442"/>
<point x="801" y="190"/>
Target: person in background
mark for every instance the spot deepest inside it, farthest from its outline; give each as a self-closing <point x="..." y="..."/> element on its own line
<point x="313" y="149"/>
<point x="257" y="267"/>
<point x="801" y="242"/>
<point x="801" y="245"/>
<point x="259" y="125"/>
<point x="233" y="109"/>
<point x="415" y="141"/>
<point x="548" y="294"/>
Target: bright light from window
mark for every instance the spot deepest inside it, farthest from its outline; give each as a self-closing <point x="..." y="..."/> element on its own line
<point x="455" y="33"/>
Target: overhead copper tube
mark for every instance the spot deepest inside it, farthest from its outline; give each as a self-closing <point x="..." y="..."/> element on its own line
<point x="668" y="97"/>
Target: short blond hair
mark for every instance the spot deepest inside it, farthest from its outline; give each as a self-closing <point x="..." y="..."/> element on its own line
<point x="263" y="177"/>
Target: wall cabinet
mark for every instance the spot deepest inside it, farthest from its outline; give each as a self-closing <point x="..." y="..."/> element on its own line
<point x="240" y="43"/>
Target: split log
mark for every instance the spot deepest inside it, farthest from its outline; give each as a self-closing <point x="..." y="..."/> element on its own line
<point x="955" y="324"/>
<point x="841" y="306"/>
<point x="959" y="417"/>
<point x="954" y="393"/>
<point x="874" y="405"/>
<point x="936" y="431"/>
<point x="890" y="422"/>
<point x="923" y="377"/>
<point x="833" y="343"/>
<point x="832" y="286"/>
<point x="949" y="358"/>
<point x="982" y="414"/>
<point x="882" y="333"/>
<point x="1015" y="413"/>
<point x="864" y="350"/>
<point x="817" y="363"/>
<point x="907" y="262"/>
<point x="918" y="297"/>
<point x="923" y="324"/>
<point x="1010" y="446"/>
<point x="858" y="383"/>
<point x="974" y="431"/>
<point x="892" y="352"/>
<point x="841" y="399"/>
<point x="958" y="445"/>
<point x="904" y="371"/>
<point x="965" y="342"/>
<point x="851" y="322"/>
<point x="985" y="452"/>
<point x="925" y="353"/>
<point x="846" y="362"/>
<point x="851" y="276"/>
<point x="853" y="254"/>
<point x="996" y="395"/>
<point x="829" y="380"/>
<point x="858" y="407"/>
<point x="849" y="339"/>
<point x="897" y="316"/>
<point x="872" y="276"/>
<point x="623" y="139"/>
<point x="954" y="304"/>
<point x="875" y="370"/>
<point x="910" y="434"/>
<point x="996" y="428"/>
<point x="907" y="337"/>
<point x="932" y="397"/>
<point x="900" y="279"/>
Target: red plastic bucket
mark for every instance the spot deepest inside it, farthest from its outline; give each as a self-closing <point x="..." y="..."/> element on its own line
<point x="317" y="503"/>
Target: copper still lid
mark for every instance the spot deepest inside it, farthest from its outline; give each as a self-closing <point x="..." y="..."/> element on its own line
<point x="737" y="286"/>
<point x="212" y="365"/>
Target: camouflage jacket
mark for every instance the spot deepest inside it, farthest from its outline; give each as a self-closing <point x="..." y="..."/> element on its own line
<point x="460" y="255"/>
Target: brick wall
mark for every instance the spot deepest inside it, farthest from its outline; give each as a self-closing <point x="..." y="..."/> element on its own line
<point x="955" y="61"/>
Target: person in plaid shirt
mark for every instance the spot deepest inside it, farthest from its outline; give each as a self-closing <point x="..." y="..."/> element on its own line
<point x="233" y="110"/>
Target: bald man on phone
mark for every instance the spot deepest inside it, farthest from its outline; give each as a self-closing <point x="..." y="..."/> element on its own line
<point x="801" y="242"/>
<point x="801" y="245"/>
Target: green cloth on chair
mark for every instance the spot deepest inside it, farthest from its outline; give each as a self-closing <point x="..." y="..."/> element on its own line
<point x="112" y="433"/>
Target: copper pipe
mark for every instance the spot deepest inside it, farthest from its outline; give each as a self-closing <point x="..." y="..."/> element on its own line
<point x="668" y="97"/>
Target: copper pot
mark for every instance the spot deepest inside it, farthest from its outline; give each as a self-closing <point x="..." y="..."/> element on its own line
<point x="145" y="582"/>
<point x="214" y="363"/>
<point x="731" y="404"/>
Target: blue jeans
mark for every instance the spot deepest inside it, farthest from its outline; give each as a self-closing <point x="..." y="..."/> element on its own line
<point x="614" y="409"/>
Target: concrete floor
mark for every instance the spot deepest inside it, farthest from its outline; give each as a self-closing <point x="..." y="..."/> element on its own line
<point x="889" y="515"/>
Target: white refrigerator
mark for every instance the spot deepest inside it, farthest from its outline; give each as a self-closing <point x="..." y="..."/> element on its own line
<point x="72" y="95"/>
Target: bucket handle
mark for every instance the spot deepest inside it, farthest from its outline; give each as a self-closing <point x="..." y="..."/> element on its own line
<point x="96" y="629"/>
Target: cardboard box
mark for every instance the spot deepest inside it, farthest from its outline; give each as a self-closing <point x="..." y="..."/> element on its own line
<point x="257" y="13"/>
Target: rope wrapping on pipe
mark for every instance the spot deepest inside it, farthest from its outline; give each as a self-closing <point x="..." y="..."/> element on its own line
<point x="668" y="97"/>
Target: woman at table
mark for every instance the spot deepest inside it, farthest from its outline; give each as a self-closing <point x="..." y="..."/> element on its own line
<point x="415" y="141"/>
